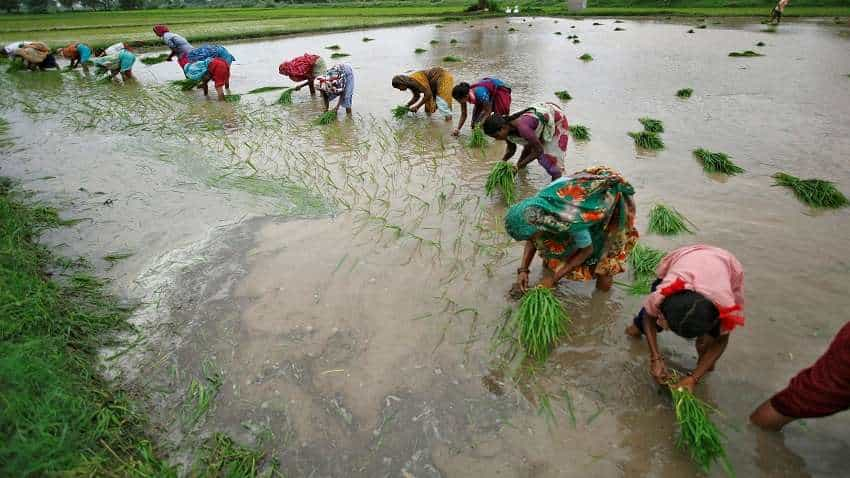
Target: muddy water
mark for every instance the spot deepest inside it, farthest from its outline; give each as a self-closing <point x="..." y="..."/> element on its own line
<point x="347" y="282"/>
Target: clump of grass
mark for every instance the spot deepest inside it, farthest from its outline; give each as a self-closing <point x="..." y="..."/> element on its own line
<point x="745" y="54"/>
<point x="761" y="43"/>
<point x="286" y="97"/>
<point x="652" y="125"/>
<point x="717" y="162"/>
<point x="264" y="89"/>
<point x="400" y="111"/>
<point x="339" y="55"/>
<point x="648" y="140"/>
<point x="434" y="42"/>
<point x="15" y="66"/>
<point x="685" y="93"/>
<point x="477" y="139"/>
<point x="697" y="433"/>
<point x="419" y="50"/>
<point x="452" y="41"/>
<point x="220" y="456"/>
<point x="117" y="256"/>
<point x="596" y="24"/>
<point x="367" y="39"/>
<point x="542" y="321"/>
<point x="618" y="29"/>
<point x="586" y="57"/>
<point x="563" y="95"/>
<point x="185" y="84"/>
<point x="667" y="221"/>
<point x="579" y="132"/>
<point x="333" y="47"/>
<point x="503" y="178"/>
<point x="153" y="60"/>
<point x="814" y="192"/>
<point x="452" y="59"/>
<point x="326" y="118"/>
<point x="644" y="260"/>
<point x="232" y="98"/>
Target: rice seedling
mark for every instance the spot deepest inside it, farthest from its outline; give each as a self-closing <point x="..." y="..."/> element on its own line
<point x="586" y="57"/>
<point x="286" y="97"/>
<point x="542" y="321"/>
<point x="117" y="256"/>
<point x="576" y="41"/>
<point x="814" y="192"/>
<point x="511" y="29"/>
<point x="717" y="162"/>
<point x="333" y="47"/>
<point x="434" y="42"/>
<point x="691" y="31"/>
<point x="400" y="111"/>
<point x="685" y="93"/>
<point x="264" y="89"/>
<point x="367" y="39"/>
<point x="697" y="433"/>
<point x="618" y="29"/>
<point x="579" y="132"/>
<point x="652" y="125"/>
<point x="644" y="260"/>
<point x="185" y="84"/>
<point x="232" y="98"/>
<point x="564" y="95"/>
<point x="419" y="50"/>
<point x="597" y="24"/>
<point x="477" y="139"/>
<point x="503" y="178"/>
<point x="667" y="221"/>
<point x="640" y="286"/>
<point x="761" y="43"/>
<point x="15" y="66"/>
<point x="702" y="27"/>
<point x="339" y="55"/>
<point x="153" y="60"/>
<point x="558" y="33"/>
<point x="619" y="21"/>
<point x="221" y="456"/>
<point x="452" y="59"/>
<point x="452" y="41"/>
<point x="744" y="54"/>
<point x="647" y="140"/>
<point x="326" y="118"/>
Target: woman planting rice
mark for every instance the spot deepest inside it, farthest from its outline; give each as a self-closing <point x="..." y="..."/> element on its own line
<point x="36" y="55"/>
<point x="11" y="50"/>
<point x="699" y="294"/>
<point x="778" y="10"/>
<point x="818" y="391"/>
<point x="489" y="95"/>
<point x="206" y="52"/>
<point x="543" y="131"/>
<point x="179" y="46"/>
<point x="78" y="53"/>
<point x="304" y="70"/>
<point x="337" y="82"/>
<point x="215" y="69"/>
<point x="431" y="88"/>
<point x="582" y="226"/>
<point x="121" y="62"/>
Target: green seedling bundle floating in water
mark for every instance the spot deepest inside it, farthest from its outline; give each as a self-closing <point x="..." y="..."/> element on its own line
<point x="717" y="162"/>
<point x="339" y="55"/>
<point x="333" y="47"/>
<point x="419" y="50"/>
<point x="400" y="111"/>
<point x="434" y="42"/>
<point x="542" y="322"/>
<point x="652" y="125"/>
<point x="367" y="39"/>
<point x="286" y="97"/>
<point x="667" y="221"/>
<point x="685" y="93"/>
<point x="232" y="98"/>
<point x="326" y="118"/>
<point x="265" y="89"/>
<point x="585" y="57"/>
<point x="814" y="192"/>
<point x="747" y="53"/>
<point x="563" y="95"/>
<point x="697" y="433"/>
<point x="452" y="59"/>
<point x="153" y="60"/>
<point x="644" y="260"/>
<point x="579" y="132"/>
<point x="503" y="178"/>
<point x="185" y="84"/>
<point x="648" y="140"/>
<point x="478" y="139"/>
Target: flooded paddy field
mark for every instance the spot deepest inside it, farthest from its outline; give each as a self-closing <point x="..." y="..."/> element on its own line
<point x="340" y="290"/>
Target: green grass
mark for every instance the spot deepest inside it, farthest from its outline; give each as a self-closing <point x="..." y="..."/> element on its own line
<point x="744" y="54"/>
<point x="542" y="322"/>
<point x="667" y="221"/>
<point x="579" y="132"/>
<point x="221" y="457"/>
<point x="326" y="118"/>
<point x="153" y="60"/>
<point x="585" y="56"/>
<point x="503" y="178"/>
<point x="814" y="192"/>
<point x="717" y="162"/>
<point x="232" y="98"/>
<point x="563" y="95"/>
<point x="452" y="59"/>
<point x="647" y="140"/>
<point x="652" y="125"/>
<point x="477" y="139"/>
<point x="685" y="93"/>
<point x="697" y="433"/>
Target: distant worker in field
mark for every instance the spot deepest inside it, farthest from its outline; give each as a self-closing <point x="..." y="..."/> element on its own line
<point x="431" y="88"/>
<point x="699" y="294"/>
<point x="582" y="226"/>
<point x="818" y="391"/>
<point x="180" y="47"/>
<point x="489" y="96"/>
<point x="79" y="54"/>
<point x="778" y="10"/>
<point x="337" y="82"/>
<point x="11" y="50"/>
<point x="543" y="131"/>
<point x="304" y="70"/>
<point x="115" y="63"/>
<point x="213" y="69"/>
<point x="36" y="55"/>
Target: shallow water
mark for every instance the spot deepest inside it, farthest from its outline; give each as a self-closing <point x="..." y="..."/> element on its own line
<point x="347" y="281"/>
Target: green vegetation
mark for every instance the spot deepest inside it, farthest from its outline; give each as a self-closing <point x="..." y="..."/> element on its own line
<point x="643" y="261"/>
<point x="761" y="43"/>
<point x="503" y="178"/>
<point x="326" y="118"/>
<point x="697" y="433"/>
<point x="222" y="457"/>
<point x="744" y="54"/>
<point x="153" y="60"/>
<point x="333" y="47"/>
<point x="285" y="97"/>
<point x="264" y="89"/>
<point x="339" y="55"/>
<point x="814" y="192"/>
<point x="367" y="39"/>
<point x="564" y="95"/>
<point x="542" y="321"/>
<point x="685" y="93"/>
<point x="452" y="59"/>
<point x="400" y="111"/>
<point x="419" y="50"/>
<point x="232" y="98"/>
<point x="585" y="57"/>
<point x="652" y="125"/>
<point x="618" y="29"/>
<point x="647" y="140"/>
<point x="185" y="84"/>
<point x="717" y="162"/>
<point x="434" y="42"/>
<point x="579" y="132"/>
<point x="667" y="221"/>
<point x="576" y="41"/>
<point x="452" y="41"/>
<point x="477" y="139"/>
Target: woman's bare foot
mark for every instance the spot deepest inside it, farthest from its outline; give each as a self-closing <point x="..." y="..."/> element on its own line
<point x="604" y="283"/>
<point x="633" y="331"/>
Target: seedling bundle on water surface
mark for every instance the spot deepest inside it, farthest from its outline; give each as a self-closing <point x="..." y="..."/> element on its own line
<point x="685" y="93"/>
<point x="286" y="97"/>
<point x="643" y="261"/>
<point x="153" y="60"/>
<point x="697" y="433"/>
<point x="747" y="53"/>
<point x="264" y="89"/>
<point x="503" y="178"/>
<point x="579" y="132"/>
<point x="717" y="162"/>
<point x="419" y="50"/>
<point x="339" y="55"/>
<point x="232" y="98"/>
<point x="327" y="117"/>
<point x="585" y="57"/>
<point x="477" y="139"/>
<point x="652" y="125"/>
<point x="647" y="140"/>
<point x="367" y="39"/>
<point x="400" y="111"/>
<point x="667" y="221"/>
<point x="563" y="95"/>
<point x="333" y="47"/>
<point x="452" y="59"/>
<point x="814" y="192"/>
<point x="185" y="84"/>
<point x="542" y="321"/>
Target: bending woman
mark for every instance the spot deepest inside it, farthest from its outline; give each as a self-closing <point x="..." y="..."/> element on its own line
<point x="37" y="55"/>
<point x="582" y="226"/>
<point x="121" y="62"/>
<point x="490" y="96"/>
<point x="543" y="131"/>
<point x="304" y="70"/>
<point x="431" y="88"/>
<point x="178" y="45"/>
<point x="215" y="69"/>
<point x="78" y="53"/>
<point x="337" y="82"/>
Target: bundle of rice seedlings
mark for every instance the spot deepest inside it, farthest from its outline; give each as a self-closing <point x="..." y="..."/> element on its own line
<point x="717" y="162"/>
<point x="691" y="31"/>
<point x="685" y="93"/>
<point x="434" y="42"/>
<point x="585" y="57"/>
<point x="185" y="84"/>
<point x="400" y="111"/>
<point x="596" y="24"/>
<point x="339" y="55"/>
<point x="618" y="29"/>
<point x="367" y="39"/>
<point x="747" y="53"/>
<point x="511" y="29"/>
<point x="452" y="41"/>
<point x="232" y="98"/>
<point x="327" y="117"/>
<point x="542" y="321"/>
<point x="286" y="97"/>
<point x="579" y="132"/>
<point x="153" y="60"/>
<point x="814" y="192"/>
<point x="697" y="433"/>
<point x="333" y="47"/>
<point x="503" y="178"/>
<point x="667" y="221"/>
<point x="419" y="50"/>
<point x="264" y="89"/>
<point x="652" y="125"/>
<point x="648" y="140"/>
<point x="576" y="40"/>
<point x="702" y="27"/>
<point x="644" y="260"/>
<point x="761" y="43"/>
<point x="563" y="95"/>
<point x="619" y="21"/>
<point x="558" y="33"/>
<point x="477" y="139"/>
<point x="15" y="66"/>
<point x="452" y="59"/>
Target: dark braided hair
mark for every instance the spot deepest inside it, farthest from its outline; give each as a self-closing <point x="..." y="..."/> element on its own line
<point x="496" y="122"/>
<point x="690" y="314"/>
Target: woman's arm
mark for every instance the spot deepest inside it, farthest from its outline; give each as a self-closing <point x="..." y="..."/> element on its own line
<point x="483" y="113"/>
<point x="529" y="154"/>
<point x="573" y="261"/>
<point x="460" y="123"/>
<point x="206" y="87"/>
<point x="534" y="148"/>
<point x="525" y="266"/>
<point x="657" y="367"/>
<point x="510" y="150"/>
<point x="415" y="97"/>
<point x="707" y="361"/>
<point x="220" y="90"/>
